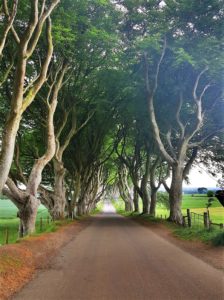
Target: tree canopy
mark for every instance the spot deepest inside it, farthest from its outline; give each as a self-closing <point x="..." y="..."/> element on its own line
<point x="104" y="97"/>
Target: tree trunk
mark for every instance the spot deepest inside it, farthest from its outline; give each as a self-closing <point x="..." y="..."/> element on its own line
<point x="27" y="215"/>
<point x="152" y="210"/>
<point x="81" y="208"/>
<point x="128" y="206"/>
<point x="145" y="203"/>
<point x="125" y="191"/>
<point x="136" y="201"/>
<point x="175" y="195"/>
<point x="59" y="194"/>
<point x="8" y="145"/>
<point x="145" y="195"/>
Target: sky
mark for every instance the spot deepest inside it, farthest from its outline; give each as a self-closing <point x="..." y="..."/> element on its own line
<point x="200" y="178"/>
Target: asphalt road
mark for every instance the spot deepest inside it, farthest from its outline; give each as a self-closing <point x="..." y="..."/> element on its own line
<point x="117" y="259"/>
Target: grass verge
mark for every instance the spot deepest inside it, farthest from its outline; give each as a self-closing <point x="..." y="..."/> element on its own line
<point x="213" y="236"/>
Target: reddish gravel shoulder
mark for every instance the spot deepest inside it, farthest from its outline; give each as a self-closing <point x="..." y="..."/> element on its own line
<point x="214" y="256"/>
<point x="18" y="262"/>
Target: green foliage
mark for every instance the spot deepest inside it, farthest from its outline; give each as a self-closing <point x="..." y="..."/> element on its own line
<point x="104" y="48"/>
<point x="210" y="193"/>
<point x="218" y="240"/>
<point x="163" y="200"/>
<point x="209" y="203"/>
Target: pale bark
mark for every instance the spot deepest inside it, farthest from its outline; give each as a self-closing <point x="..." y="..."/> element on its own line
<point x="154" y="187"/>
<point x="9" y="19"/>
<point x="59" y="190"/>
<point x="136" y="200"/>
<point x="21" y="98"/>
<point x="124" y="188"/>
<point x="27" y="201"/>
<point x="59" y="194"/>
<point x="176" y="157"/>
<point x="175" y="195"/>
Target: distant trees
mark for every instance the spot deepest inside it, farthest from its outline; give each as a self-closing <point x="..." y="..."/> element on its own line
<point x="202" y="190"/>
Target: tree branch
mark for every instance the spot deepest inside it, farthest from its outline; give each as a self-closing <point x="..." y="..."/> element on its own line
<point x="179" y="122"/>
<point x="150" y="96"/>
<point x="9" y="22"/>
<point x="43" y="74"/>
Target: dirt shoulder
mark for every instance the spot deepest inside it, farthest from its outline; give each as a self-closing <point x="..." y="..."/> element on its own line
<point x="19" y="262"/>
<point x="214" y="256"/>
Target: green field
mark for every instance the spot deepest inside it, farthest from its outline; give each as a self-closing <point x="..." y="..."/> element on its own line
<point x="10" y="222"/>
<point x="196" y="203"/>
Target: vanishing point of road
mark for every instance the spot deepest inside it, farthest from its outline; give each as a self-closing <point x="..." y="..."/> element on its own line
<point x="117" y="259"/>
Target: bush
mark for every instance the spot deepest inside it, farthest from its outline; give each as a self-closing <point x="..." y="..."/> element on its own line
<point x="218" y="240"/>
<point x="210" y="194"/>
<point x="163" y="199"/>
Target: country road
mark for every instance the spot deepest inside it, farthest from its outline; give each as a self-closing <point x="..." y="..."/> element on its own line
<point x="116" y="259"/>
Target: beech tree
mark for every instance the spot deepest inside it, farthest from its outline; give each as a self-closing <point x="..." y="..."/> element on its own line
<point x="26" y="199"/>
<point x="26" y="35"/>
<point x="189" y="134"/>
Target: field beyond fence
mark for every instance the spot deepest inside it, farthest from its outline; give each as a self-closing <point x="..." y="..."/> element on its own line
<point x="9" y="223"/>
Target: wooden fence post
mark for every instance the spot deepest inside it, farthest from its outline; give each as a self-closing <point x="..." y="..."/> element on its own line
<point x="206" y="220"/>
<point x="189" y="217"/>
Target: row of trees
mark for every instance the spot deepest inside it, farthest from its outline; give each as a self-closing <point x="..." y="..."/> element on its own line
<point x="101" y="96"/>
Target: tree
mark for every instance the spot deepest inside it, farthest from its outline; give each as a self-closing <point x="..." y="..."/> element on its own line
<point x="23" y="92"/>
<point x="190" y="134"/>
<point x="26" y="200"/>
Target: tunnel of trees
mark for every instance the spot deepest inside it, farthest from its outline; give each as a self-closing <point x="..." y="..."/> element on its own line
<point x="107" y="97"/>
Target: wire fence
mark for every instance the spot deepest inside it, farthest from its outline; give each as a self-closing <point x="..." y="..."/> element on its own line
<point x="9" y="228"/>
<point x="197" y="220"/>
<point x="193" y="219"/>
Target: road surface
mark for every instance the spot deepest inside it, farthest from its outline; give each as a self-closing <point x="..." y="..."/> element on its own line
<point x="116" y="259"/>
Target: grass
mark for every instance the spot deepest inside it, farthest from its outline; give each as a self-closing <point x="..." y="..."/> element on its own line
<point x="10" y="222"/>
<point x="197" y="204"/>
<point x="98" y="209"/>
<point x="213" y="235"/>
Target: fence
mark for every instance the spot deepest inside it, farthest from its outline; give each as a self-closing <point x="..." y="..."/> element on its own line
<point x="199" y="220"/>
<point x="9" y="230"/>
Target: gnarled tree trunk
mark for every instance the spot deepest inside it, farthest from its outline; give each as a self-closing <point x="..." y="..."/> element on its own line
<point x="59" y="195"/>
<point x="124" y="189"/>
<point x="27" y="214"/>
<point x="136" y="200"/>
<point x="175" y="195"/>
<point x="152" y="210"/>
<point x="19" y="103"/>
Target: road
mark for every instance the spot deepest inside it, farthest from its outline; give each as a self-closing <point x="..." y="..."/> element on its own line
<point x="116" y="259"/>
